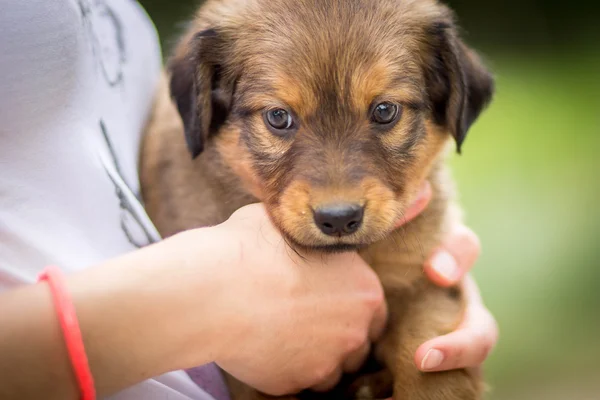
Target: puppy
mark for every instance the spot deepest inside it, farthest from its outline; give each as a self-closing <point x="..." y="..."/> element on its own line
<point x="332" y="113"/>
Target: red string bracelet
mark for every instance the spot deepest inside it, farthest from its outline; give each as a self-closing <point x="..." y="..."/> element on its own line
<point x="67" y="317"/>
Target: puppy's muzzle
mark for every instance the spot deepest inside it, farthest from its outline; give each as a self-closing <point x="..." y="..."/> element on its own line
<point x="339" y="219"/>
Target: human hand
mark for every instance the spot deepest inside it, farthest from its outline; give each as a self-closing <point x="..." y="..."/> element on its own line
<point x="281" y="303"/>
<point x="470" y="344"/>
<point x="475" y="337"/>
<point x="467" y="346"/>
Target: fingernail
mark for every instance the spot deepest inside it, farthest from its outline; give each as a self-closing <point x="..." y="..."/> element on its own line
<point x="445" y="265"/>
<point x="432" y="360"/>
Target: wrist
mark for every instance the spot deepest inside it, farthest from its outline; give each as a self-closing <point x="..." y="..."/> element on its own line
<point x="229" y="309"/>
<point x="202" y="295"/>
<point x="151" y="311"/>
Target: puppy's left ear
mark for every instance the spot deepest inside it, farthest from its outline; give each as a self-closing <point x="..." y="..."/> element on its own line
<point x="202" y="95"/>
<point x="458" y="83"/>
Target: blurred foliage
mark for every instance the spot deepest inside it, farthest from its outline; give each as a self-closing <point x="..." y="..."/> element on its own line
<point x="530" y="185"/>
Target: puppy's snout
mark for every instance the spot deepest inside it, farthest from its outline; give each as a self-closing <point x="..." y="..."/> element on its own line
<point x="339" y="219"/>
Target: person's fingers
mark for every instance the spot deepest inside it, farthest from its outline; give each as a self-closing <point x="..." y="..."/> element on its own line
<point x="329" y="383"/>
<point x="468" y="346"/>
<point x="454" y="258"/>
<point x="418" y="205"/>
<point x="356" y="359"/>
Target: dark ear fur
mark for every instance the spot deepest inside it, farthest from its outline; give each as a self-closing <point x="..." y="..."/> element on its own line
<point x="459" y="85"/>
<point x="197" y="88"/>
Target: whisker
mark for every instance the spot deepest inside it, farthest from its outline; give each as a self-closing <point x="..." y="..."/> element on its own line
<point x="396" y="243"/>
<point x="323" y="260"/>
<point x="291" y="246"/>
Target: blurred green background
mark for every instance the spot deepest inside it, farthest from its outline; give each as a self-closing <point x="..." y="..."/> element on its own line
<point x="530" y="184"/>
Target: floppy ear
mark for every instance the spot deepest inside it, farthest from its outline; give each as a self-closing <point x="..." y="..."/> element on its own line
<point x="458" y="83"/>
<point x="197" y="88"/>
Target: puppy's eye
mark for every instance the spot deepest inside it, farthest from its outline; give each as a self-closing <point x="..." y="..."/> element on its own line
<point x="279" y="119"/>
<point x="385" y="113"/>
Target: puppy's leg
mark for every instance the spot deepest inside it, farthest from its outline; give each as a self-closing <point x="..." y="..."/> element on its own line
<point x="417" y="315"/>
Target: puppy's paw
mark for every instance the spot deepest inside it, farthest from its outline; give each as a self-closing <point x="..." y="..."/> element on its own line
<point x="375" y="386"/>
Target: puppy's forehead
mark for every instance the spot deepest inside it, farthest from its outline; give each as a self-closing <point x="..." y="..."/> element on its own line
<point x="305" y="55"/>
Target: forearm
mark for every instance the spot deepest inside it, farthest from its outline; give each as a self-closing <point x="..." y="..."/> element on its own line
<point x="135" y="318"/>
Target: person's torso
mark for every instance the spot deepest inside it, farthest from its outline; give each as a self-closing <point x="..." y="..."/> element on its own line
<point x="77" y="79"/>
<point x="76" y="83"/>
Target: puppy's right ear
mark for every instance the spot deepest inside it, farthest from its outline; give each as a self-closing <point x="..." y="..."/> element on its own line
<point x="196" y="88"/>
<point x="459" y="84"/>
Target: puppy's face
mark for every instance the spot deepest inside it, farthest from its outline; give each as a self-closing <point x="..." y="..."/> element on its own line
<point x="333" y="112"/>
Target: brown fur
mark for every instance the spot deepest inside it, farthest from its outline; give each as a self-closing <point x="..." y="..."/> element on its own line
<point x="327" y="62"/>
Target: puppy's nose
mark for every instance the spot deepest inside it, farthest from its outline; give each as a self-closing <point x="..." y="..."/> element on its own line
<point x="339" y="219"/>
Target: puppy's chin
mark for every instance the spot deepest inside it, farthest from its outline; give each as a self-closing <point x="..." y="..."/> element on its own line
<point x="329" y="245"/>
<point x="330" y="248"/>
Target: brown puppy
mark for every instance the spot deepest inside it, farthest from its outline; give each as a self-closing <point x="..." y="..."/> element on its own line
<point x="332" y="113"/>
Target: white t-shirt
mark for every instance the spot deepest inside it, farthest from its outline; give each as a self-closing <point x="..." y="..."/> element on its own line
<point x="77" y="78"/>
